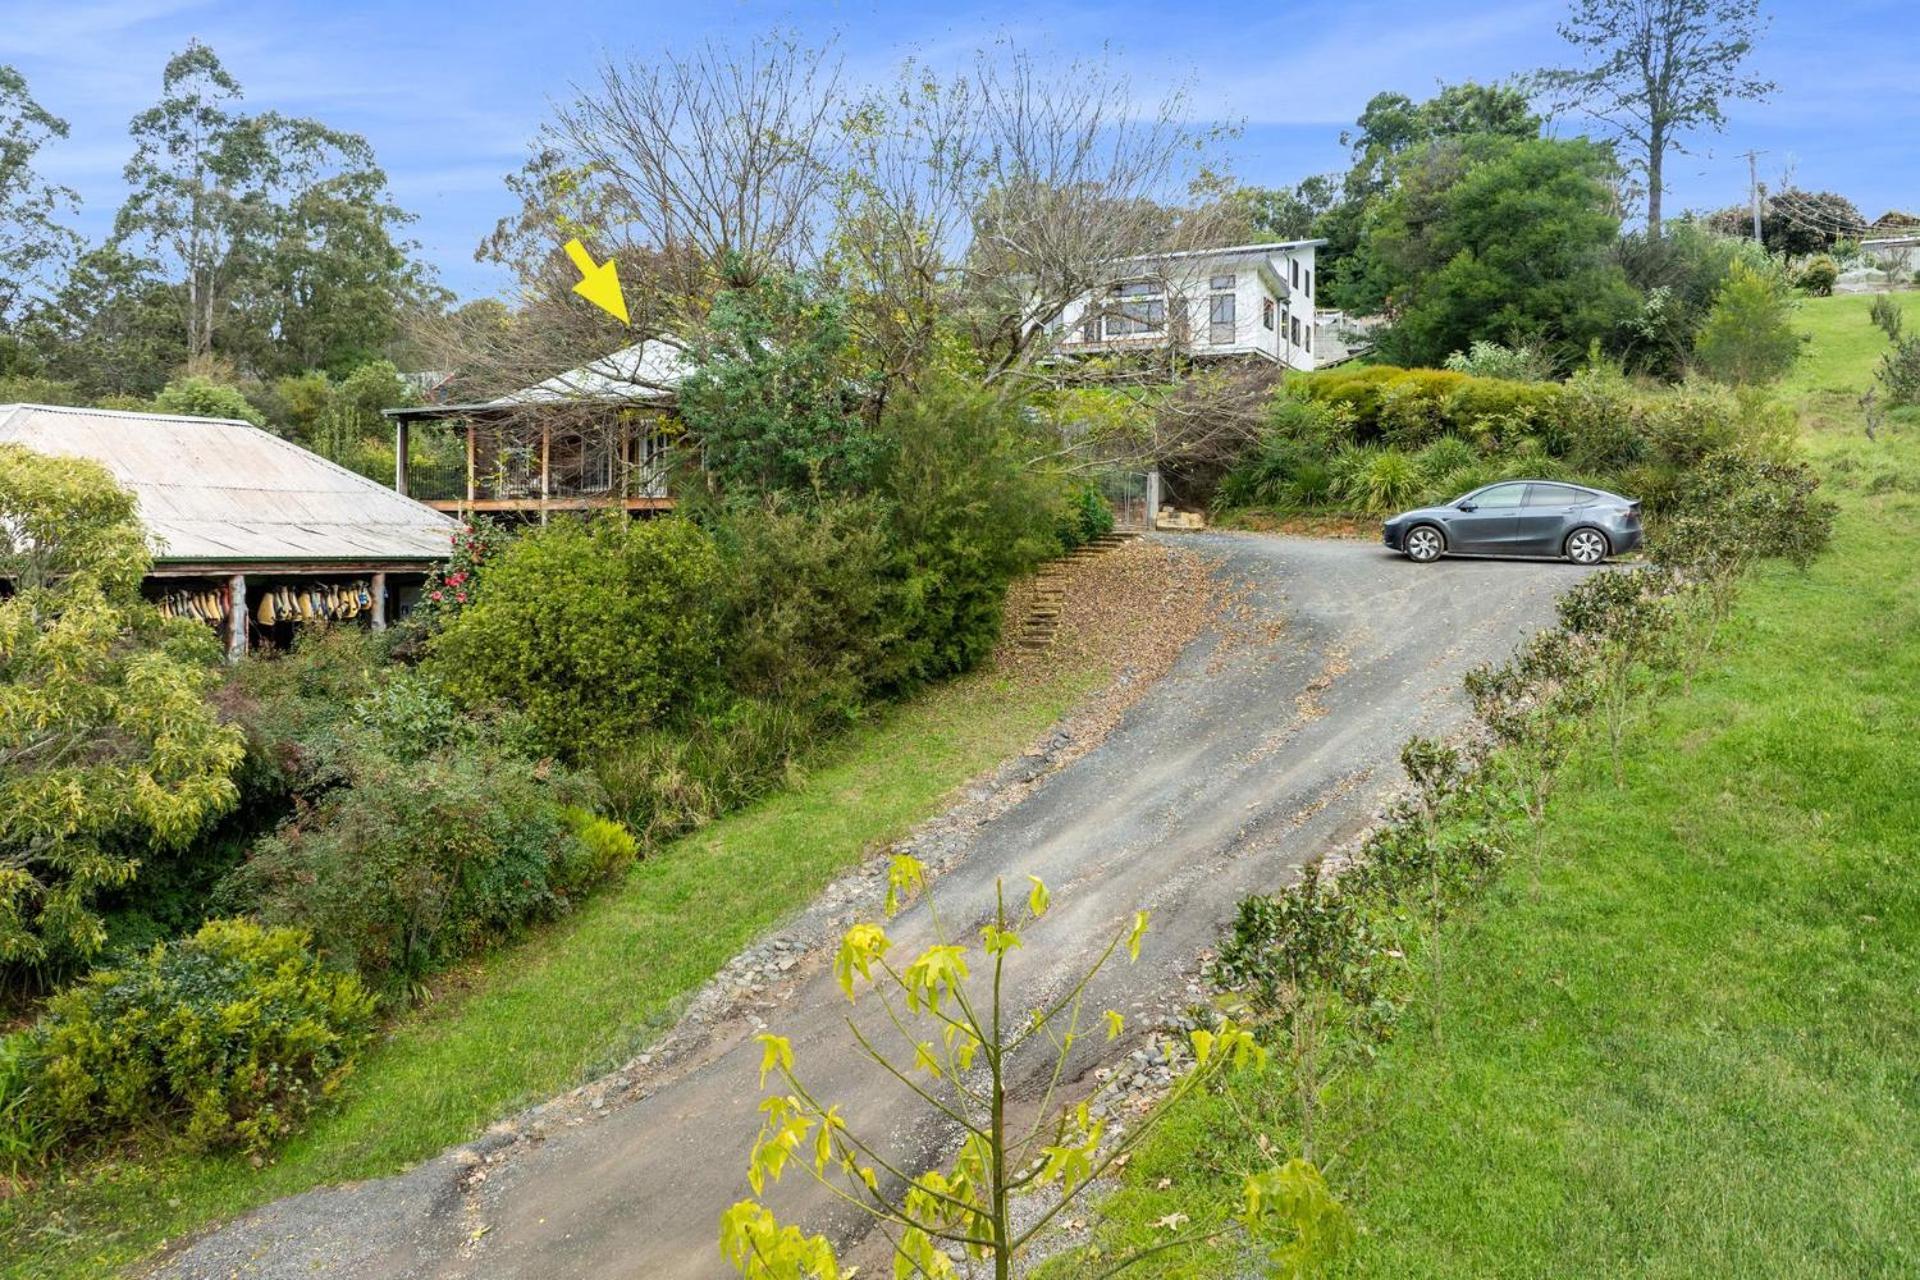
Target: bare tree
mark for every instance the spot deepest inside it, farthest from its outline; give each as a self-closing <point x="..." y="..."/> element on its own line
<point x="1655" y="70"/>
<point x="722" y="157"/>
<point x="1077" y="179"/>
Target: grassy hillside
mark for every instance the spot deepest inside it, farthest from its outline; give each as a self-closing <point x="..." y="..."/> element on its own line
<point x="1693" y="1052"/>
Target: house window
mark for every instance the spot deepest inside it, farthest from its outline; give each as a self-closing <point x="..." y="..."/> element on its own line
<point x="1142" y="309"/>
<point x="1266" y="312"/>
<point x="1309" y="284"/>
<point x="1293" y="265"/>
<point x="1090" y="325"/>
<point x="1222" y="322"/>
<point x="1308" y="344"/>
<point x="1296" y="331"/>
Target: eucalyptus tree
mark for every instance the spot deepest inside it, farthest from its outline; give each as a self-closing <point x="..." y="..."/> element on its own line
<point x="280" y="231"/>
<point x="32" y="237"/>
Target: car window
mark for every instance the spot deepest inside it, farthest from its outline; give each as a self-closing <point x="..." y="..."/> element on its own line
<point x="1553" y="495"/>
<point x="1501" y="495"/>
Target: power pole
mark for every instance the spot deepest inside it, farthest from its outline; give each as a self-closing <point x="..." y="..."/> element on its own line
<point x="1753" y="190"/>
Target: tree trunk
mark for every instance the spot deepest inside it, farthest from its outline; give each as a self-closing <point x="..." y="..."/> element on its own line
<point x="1656" y="162"/>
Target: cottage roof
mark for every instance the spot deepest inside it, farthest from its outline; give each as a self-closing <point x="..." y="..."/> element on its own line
<point x="215" y="491"/>
<point x="644" y="373"/>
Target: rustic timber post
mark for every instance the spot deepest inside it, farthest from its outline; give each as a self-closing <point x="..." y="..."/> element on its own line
<point x="546" y="452"/>
<point x="473" y="490"/>
<point x="380" y="602"/>
<point x="1153" y="499"/>
<point x="237" y="616"/>
<point x="400" y="455"/>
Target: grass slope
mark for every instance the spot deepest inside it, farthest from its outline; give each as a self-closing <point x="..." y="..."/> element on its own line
<point x="1696" y="1051"/>
<point x="538" y="1017"/>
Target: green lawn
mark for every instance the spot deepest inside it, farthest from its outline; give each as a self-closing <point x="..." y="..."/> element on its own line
<point x="1696" y="1051"/>
<point x="540" y="1016"/>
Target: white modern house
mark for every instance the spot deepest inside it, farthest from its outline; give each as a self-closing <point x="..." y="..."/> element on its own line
<point x="1250" y="300"/>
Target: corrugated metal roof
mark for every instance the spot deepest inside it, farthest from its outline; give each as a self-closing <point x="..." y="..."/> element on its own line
<point x="210" y="489"/>
<point x="644" y="371"/>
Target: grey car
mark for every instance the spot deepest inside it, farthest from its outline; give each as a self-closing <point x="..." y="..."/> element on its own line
<point x="1521" y="518"/>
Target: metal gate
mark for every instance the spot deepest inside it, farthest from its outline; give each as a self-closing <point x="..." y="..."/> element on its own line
<point x="1127" y="493"/>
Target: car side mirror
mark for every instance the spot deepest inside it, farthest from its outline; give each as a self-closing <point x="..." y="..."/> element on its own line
<point x="1468" y="506"/>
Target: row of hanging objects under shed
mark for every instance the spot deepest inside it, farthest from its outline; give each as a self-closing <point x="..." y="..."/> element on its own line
<point x="208" y="605"/>
<point x="314" y="602"/>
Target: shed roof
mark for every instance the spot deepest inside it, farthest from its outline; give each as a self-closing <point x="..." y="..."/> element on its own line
<point x="216" y="491"/>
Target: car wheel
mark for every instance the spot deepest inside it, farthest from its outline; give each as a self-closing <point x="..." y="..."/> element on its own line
<point x="1586" y="546"/>
<point x="1424" y="544"/>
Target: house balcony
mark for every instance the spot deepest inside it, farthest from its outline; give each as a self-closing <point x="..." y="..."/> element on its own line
<point x="511" y="467"/>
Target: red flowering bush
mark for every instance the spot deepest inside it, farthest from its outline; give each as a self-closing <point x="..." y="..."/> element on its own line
<point x="451" y="587"/>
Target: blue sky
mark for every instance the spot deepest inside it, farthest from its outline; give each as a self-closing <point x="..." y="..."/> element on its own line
<point x="449" y="92"/>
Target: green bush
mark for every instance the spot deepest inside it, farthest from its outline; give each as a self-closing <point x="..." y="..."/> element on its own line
<point x="969" y="514"/>
<point x="200" y="397"/>
<point x="1377" y="481"/>
<point x="603" y="850"/>
<point x="1748" y="338"/>
<point x="411" y="865"/>
<point x="807" y="612"/>
<point x="1817" y="275"/>
<point x="230" y="1036"/>
<point x="1447" y="456"/>
<point x="1899" y="373"/>
<point x="1524" y="361"/>
<point x="1086" y="516"/>
<point x="597" y="631"/>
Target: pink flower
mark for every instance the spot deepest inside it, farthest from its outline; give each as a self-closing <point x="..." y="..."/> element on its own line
<point x="436" y="595"/>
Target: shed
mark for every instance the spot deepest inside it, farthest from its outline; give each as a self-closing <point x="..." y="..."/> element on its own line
<point x="229" y="507"/>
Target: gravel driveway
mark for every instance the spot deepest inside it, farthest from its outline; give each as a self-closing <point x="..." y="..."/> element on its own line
<point x="1274" y="738"/>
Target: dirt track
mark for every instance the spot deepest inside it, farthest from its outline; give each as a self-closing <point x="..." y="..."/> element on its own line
<point x="1273" y="740"/>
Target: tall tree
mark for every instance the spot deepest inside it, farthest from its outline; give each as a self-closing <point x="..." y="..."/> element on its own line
<point x="1390" y="128"/>
<point x="112" y="328"/>
<point x="1485" y="238"/>
<point x="1655" y="70"/>
<point x="31" y="235"/>
<point x="279" y="230"/>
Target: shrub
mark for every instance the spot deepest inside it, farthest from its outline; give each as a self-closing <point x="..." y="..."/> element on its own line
<point x="109" y="751"/>
<point x="1817" y="275"/>
<point x="1887" y="316"/>
<point x="1748" y="338"/>
<point x="1449" y="455"/>
<point x="196" y="396"/>
<point x="1377" y="481"/>
<point x="412" y="865"/>
<point x="1600" y="421"/>
<point x="1085" y="517"/>
<point x="1524" y="361"/>
<point x="232" y="1035"/>
<point x="1899" y="373"/>
<point x="969" y="513"/>
<point x="807" y="609"/>
<point x="595" y="630"/>
<point x="603" y="849"/>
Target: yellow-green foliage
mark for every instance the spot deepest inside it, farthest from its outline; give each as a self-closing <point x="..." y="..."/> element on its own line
<point x="1413" y="406"/>
<point x="604" y="850"/>
<point x="230" y="1037"/>
<point x="109" y="745"/>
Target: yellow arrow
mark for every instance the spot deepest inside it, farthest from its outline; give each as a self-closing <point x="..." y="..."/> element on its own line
<point x="599" y="282"/>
